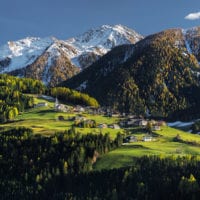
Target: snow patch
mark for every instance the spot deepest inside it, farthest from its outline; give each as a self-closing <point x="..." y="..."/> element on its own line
<point x="82" y="86"/>
<point x="45" y="77"/>
<point x="189" y="50"/>
<point x="180" y="124"/>
<point x="128" y="54"/>
<point x="49" y="98"/>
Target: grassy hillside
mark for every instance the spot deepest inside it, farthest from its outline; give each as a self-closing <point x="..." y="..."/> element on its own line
<point x="163" y="145"/>
<point x="44" y="120"/>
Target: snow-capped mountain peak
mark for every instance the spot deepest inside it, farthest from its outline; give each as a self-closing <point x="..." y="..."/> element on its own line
<point x="100" y="40"/>
<point x="44" y="54"/>
<point x="192" y="41"/>
<point x="105" y="37"/>
<point x="22" y="52"/>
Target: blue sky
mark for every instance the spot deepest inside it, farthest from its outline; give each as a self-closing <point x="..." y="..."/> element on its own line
<point x="67" y="18"/>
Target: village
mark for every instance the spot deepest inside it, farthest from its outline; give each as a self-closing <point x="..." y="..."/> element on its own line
<point x="124" y="122"/>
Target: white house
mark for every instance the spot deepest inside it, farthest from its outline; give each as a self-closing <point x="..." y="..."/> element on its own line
<point x="147" y="138"/>
<point x="143" y="122"/>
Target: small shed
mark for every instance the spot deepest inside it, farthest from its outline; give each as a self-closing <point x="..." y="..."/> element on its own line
<point x="156" y="128"/>
<point x="131" y="138"/>
<point x="61" y="118"/>
<point x="103" y="126"/>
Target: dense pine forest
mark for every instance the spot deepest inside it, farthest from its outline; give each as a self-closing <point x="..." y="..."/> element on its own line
<point x="60" y="167"/>
<point x="29" y="163"/>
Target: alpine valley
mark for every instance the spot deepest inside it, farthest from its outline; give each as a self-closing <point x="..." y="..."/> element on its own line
<point x="157" y="74"/>
<point x="106" y="115"/>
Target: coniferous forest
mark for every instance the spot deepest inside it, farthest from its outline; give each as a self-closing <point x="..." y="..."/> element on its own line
<point x="60" y="167"/>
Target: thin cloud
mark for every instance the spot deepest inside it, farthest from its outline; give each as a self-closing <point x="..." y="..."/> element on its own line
<point x="193" y="16"/>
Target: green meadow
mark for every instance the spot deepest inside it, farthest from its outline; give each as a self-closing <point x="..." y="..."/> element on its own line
<point x="162" y="145"/>
<point x="44" y="120"/>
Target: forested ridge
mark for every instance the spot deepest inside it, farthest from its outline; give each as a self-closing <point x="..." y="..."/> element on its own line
<point x="156" y="74"/>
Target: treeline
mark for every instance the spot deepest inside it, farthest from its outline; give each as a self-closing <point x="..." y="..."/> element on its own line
<point x="72" y="96"/>
<point x="151" y="178"/>
<point x="12" y="98"/>
<point x="23" y="85"/>
<point x="30" y="162"/>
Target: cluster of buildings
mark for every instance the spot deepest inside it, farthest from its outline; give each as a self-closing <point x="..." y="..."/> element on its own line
<point x="125" y="122"/>
<point x="135" y="121"/>
<point x="133" y="138"/>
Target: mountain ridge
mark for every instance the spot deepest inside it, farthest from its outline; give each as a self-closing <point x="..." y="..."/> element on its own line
<point x="78" y="52"/>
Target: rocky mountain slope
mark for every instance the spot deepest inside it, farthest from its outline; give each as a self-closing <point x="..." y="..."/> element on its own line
<point x="52" y="60"/>
<point x="158" y="75"/>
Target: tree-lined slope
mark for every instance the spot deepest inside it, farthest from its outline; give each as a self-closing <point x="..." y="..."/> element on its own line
<point x="159" y="74"/>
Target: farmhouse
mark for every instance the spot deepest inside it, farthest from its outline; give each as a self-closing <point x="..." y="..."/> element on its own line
<point x="60" y="107"/>
<point x="114" y="126"/>
<point x="130" y="139"/>
<point x="133" y="139"/>
<point x="79" y="109"/>
<point x="142" y="122"/>
<point x="147" y="138"/>
<point x="102" y="126"/>
<point x="156" y="128"/>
